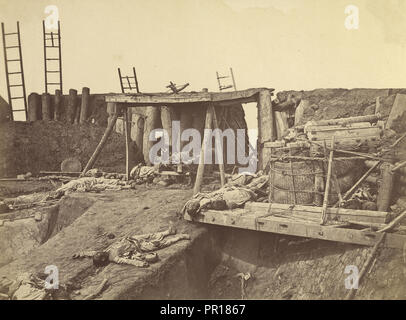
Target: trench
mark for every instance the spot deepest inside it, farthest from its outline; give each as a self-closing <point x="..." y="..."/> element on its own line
<point x="275" y="267"/>
<point x="24" y="230"/>
<point x="214" y="263"/>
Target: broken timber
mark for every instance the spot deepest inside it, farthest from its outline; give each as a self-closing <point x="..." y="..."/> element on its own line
<point x="240" y="218"/>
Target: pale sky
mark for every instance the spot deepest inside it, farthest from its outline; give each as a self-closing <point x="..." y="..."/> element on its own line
<point x="282" y="44"/>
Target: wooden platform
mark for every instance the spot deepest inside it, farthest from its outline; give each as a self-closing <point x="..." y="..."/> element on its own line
<point x="219" y="98"/>
<point x="289" y="224"/>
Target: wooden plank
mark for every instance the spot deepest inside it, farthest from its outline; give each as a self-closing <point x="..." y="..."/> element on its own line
<point x="345" y="121"/>
<point x="292" y="228"/>
<point x="358" y="125"/>
<point x="147" y="99"/>
<point x="345" y="133"/>
<point x="313" y="213"/>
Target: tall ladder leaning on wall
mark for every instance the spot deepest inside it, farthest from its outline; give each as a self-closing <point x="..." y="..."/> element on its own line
<point x="52" y="58"/>
<point x="13" y="60"/>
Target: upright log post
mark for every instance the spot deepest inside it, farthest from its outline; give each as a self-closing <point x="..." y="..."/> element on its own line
<point x="72" y="102"/>
<point x="127" y="144"/>
<point x="46" y="106"/>
<point x="137" y="130"/>
<point x="34" y="107"/>
<point x="77" y="113"/>
<point x="84" y="105"/>
<point x="266" y="128"/>
<point x="57" y="105"/>
<point x="113" y="110"/>
<point x="166" y="120"/>
<point x="152" y="115"/>
<point x="386" y="187"/>
<point x="206" y="137"/>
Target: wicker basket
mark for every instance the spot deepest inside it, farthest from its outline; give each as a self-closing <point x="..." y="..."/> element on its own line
<point x="303" y="182"/>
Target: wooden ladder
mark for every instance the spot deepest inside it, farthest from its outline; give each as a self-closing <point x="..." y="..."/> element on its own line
<point x="14" y="72"/>
<point x="225" y="87"/>
<point x="131" y="82"/>
<point x="52" y="58"/>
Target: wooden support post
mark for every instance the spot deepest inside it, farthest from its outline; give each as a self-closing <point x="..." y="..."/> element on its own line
<point x="127" y="144"/>
<point x="72" y="102"/>
<point x="34" y="107"/>
<point x="327" y="190"/>
<point x="85" y="105"/>
<point x="110" y="126"/>
<point x="384" y="198"/>
<point x="266" y="127"/>
<point x="46" y="106"/>
<point x="219" y="150"/>
<point x="166" y="120"/>
<point x="57" y="105"/>
<point x="206" y="137"/>
<point x="350" y="295"/>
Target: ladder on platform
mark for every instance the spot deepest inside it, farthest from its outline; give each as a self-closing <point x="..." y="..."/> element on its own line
<point x="227" y="86"/>
<point x="128" y="83"/>
<point x="14" y="73"/>
<point x="52" y="58"/>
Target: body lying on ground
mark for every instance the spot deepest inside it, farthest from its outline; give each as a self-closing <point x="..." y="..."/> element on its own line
<point x="135" y="250"/>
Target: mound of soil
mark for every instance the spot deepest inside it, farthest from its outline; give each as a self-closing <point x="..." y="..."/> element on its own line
<point x="43" y="145"/>
<point x="342" y="103"/>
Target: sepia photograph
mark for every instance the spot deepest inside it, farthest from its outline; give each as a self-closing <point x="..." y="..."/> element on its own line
<point x="202" y="155"/>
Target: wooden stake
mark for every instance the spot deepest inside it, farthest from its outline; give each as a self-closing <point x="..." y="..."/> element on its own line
<point x="366" y="265"/>
<point x="327" y="190"/>
<point x="127" y="144"/>
<point x="219" y="150"/>
<point x="206" y="137"/>
<point x="101" y="144"/>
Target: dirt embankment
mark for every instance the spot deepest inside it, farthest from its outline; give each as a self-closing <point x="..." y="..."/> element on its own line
<point x="286" y="267"/>
<point x="43" y="145"/>
<point x="24" y="230"/>
<point x="342" y="103"/>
